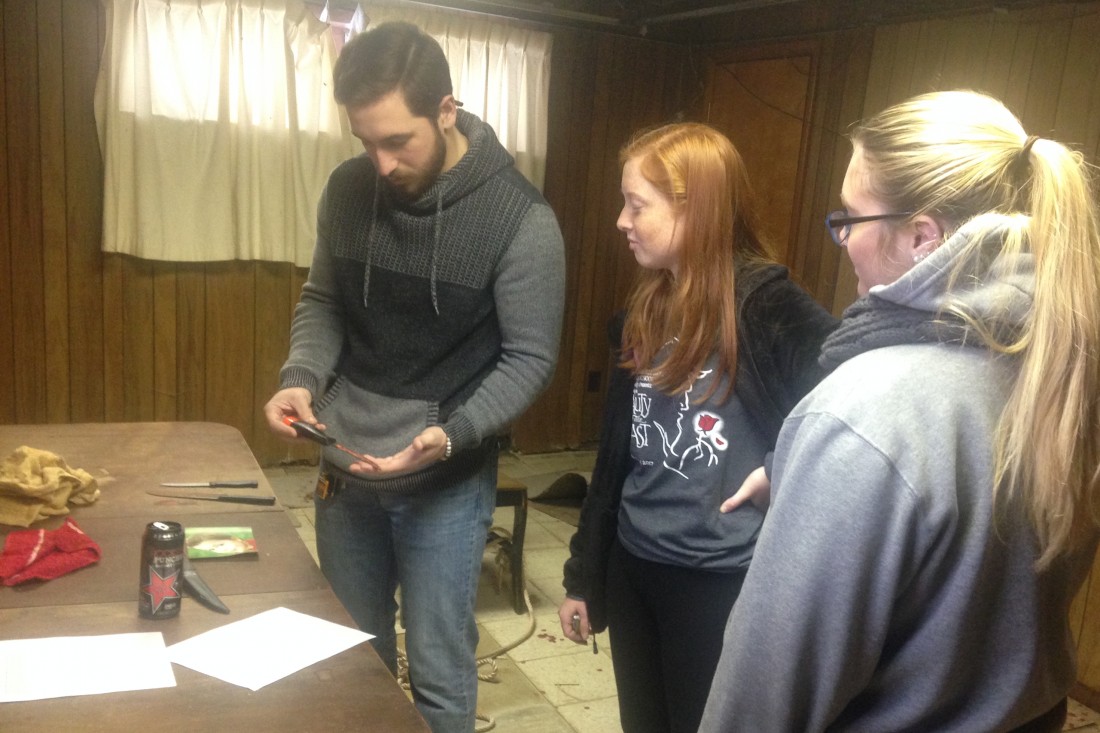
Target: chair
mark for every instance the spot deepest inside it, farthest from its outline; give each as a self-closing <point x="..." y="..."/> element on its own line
<point x="513" y="493"/>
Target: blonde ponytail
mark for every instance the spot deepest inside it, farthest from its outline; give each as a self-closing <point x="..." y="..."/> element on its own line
<point x="1048" y="442"/>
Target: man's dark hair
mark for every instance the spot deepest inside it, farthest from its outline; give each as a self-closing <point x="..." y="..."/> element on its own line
<point x="393" y="57"/>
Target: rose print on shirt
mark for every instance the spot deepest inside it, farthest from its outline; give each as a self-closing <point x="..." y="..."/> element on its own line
<point x="708" y="438"/>
<point x="708" y="424"/>
<point x="707" y="431"/>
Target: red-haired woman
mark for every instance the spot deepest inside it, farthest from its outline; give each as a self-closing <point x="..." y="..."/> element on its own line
<point x="717" y="346"/>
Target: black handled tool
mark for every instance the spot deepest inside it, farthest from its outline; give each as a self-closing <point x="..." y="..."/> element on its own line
<point x="309" y="432"/>
<point x="212" y="484"/>
<point x="235" y="498"/>
<point x="312" y="432"/>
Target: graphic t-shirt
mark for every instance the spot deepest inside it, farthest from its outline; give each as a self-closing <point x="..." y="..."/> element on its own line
<point x="687" y="459"/>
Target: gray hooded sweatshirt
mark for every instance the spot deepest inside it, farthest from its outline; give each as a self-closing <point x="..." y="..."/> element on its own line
<point x="885" y="594"/>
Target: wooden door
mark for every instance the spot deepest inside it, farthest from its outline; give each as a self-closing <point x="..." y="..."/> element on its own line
<point x="762" y="104"/>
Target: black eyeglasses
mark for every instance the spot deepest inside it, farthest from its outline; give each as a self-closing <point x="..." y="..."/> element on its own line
<point x="840" y="224"/>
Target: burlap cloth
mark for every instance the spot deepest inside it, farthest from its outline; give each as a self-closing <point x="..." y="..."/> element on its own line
<point x="36" y="484"/>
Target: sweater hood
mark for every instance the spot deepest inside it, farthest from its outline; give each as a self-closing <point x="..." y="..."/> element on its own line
<point x="969" y="273"/>
<point x="484" y="158"/>
<point x="967" y="279"/>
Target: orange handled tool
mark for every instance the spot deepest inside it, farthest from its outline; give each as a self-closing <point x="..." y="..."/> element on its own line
<point x="311" y="432"/>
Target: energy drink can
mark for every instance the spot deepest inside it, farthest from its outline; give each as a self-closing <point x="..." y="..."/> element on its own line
<point x="160" y="582"/>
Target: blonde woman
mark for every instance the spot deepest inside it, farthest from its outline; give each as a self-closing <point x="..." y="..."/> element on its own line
<point x="934" y="499"/>
<point x="717" y="346"/>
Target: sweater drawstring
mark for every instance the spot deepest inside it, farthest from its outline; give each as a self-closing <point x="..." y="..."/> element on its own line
<point x="370" y="238"/>
<point x="436" y="229"/>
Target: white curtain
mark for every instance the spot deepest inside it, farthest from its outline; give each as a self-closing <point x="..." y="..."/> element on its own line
<point x="217" y="128"/>
<point x="500" y="72"/>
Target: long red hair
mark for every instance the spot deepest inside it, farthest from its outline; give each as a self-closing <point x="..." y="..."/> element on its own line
<point x="701" y="173"/>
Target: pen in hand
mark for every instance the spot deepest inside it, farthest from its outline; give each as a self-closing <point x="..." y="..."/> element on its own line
<point x="577" y="631"/>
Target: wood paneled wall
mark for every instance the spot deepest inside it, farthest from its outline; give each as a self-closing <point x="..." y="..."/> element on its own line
<point x="91" y="337"/>
<point x="1042" y="62"/>
<point x="603" y="89"/>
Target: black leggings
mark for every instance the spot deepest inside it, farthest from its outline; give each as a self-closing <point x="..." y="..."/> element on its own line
<point x="666" y="625"/>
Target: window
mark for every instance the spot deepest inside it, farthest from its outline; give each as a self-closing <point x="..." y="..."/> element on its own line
<point x="501" y="73"/>
<point x="218" y="128"/>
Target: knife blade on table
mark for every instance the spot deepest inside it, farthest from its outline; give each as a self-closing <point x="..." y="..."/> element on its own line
<point x="194" y="583"/>
<point x="237" y="498"/>
<point x="212" y="484"/>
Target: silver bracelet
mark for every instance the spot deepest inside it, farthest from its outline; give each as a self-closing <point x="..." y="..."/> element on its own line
<point x="447" y="451"/>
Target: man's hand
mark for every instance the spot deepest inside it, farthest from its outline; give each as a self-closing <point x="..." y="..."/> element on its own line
<point x="426" y="448"/>
<point x="756" y="488"/>
<point x="295" y="402"/>
<point x="575" y="629"/>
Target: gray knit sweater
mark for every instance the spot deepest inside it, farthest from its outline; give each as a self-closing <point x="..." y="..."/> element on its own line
<point x="442" y="311"/>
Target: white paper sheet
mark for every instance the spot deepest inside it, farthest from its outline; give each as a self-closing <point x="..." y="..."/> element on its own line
<point x="261" y="649"/>
<point x="60" y="666"/>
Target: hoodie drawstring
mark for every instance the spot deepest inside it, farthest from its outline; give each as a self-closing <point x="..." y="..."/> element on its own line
<point x="370" y="239"/>
<point x="436" y="228"/>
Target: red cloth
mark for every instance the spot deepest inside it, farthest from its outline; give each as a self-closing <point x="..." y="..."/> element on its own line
<point x="42" y="554"/>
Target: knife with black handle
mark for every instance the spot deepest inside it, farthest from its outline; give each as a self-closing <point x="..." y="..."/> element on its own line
<point x="212" y="484"/>
<point x="234" y="498"/>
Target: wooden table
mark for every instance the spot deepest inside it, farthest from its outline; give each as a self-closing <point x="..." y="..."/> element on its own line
<point x="350" y="691"/>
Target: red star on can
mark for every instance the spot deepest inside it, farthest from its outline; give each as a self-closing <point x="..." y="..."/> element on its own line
<point x="159" y="588"/>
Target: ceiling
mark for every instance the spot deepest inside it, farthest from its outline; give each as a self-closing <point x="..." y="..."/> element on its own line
<point x="707" y="21"/>
<point x="624" y="15"/>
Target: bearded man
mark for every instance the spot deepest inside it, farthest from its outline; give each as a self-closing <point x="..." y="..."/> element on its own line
<point x="429" y="322"/>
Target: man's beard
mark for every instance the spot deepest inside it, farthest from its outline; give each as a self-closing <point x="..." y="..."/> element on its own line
<point x="413" y="188"/>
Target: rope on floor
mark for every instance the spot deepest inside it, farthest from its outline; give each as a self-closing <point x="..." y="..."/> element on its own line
<point x="485" y="721"/>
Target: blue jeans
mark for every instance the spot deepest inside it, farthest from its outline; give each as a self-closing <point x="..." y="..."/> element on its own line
<point x="430" y="544"/>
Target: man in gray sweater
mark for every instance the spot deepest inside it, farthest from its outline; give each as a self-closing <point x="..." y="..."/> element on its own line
<point x="429" y="322"/>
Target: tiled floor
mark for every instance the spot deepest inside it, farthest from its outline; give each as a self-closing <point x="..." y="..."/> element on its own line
<point x="1081" y="719"/>
<point x="543" y="683"/>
